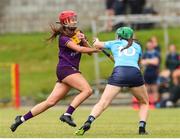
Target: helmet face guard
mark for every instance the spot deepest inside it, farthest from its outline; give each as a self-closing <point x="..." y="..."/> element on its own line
<point x="68" y="19"/>
<point x="70" y="22"/>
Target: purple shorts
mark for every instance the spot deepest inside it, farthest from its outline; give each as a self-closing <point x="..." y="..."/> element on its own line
<point x="65" y="71"/>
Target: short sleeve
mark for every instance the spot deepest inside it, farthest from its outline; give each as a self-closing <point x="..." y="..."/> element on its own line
<point x="108" y="44"/>
<point x="63" y="40"/>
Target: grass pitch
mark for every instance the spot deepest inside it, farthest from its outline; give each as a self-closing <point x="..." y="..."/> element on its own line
<point x="115" y="122"/>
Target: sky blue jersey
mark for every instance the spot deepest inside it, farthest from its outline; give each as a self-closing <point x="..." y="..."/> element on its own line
<point x="128" y="57"/>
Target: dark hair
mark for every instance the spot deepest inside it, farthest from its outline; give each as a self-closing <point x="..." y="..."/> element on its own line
<point x="130" y="41"/>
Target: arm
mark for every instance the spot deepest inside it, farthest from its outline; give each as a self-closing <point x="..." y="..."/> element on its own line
<point x="153" y="61"/>
<point x="84" y="40"/>
<point x="77" y="48"/>
<point x="98" y="44"/>
<point x="86" y="44"/>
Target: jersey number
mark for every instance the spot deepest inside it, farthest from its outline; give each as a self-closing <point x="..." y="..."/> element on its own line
<point x="127" y="52"/>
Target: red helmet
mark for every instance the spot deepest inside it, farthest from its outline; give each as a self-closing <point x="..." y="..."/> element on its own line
<point x="68" y="18"/>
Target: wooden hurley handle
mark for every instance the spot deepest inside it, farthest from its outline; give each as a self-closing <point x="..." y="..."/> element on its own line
<point x="108" y="55"/>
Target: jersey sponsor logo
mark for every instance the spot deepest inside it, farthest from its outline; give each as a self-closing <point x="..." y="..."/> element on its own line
<point x="127" y="52"/>
<point x="74" y="53"/>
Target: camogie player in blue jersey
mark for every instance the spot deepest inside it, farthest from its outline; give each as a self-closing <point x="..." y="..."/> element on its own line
<point x="126" y="73"/>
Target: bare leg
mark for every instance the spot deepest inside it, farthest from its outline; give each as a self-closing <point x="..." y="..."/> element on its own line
<point x="59" y="91"/>
<point x="109" y="93"/>
<point x="154" y="89"/>
<point x="78" y="82"/>
<point x="141" y="94"/>
<point x="175" y="76"/>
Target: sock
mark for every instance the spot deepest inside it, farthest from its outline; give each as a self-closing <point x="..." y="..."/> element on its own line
<point x="142" y="124"/>
<point x="27" y="116"/>
<point x="90" y="119"/>
<point x="70" y="110"/>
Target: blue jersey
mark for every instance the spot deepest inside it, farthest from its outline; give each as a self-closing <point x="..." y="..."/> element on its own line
<point x="150" y="55"/>
<point x="128" y="57"/>
<point x="151" y="71"/>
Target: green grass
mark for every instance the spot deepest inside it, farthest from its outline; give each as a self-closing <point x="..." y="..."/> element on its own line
<point x="113" y="123"/>
<point x="38" y="59"/>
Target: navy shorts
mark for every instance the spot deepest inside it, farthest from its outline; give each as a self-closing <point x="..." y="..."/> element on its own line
<point x="126" y="76"/>
<point x="150" y="78"/>
<point x="64" y="71"/>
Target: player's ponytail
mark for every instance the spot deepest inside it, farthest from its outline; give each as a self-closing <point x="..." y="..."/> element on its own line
<point x="55" y="32"/>
<point x="130" y="41"/>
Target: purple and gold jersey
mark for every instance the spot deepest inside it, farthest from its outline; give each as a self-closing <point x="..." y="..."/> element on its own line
<point x="67" y="56"/>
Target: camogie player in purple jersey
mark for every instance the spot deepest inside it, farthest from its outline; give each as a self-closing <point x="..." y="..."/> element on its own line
<point x="72" y="43"/>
